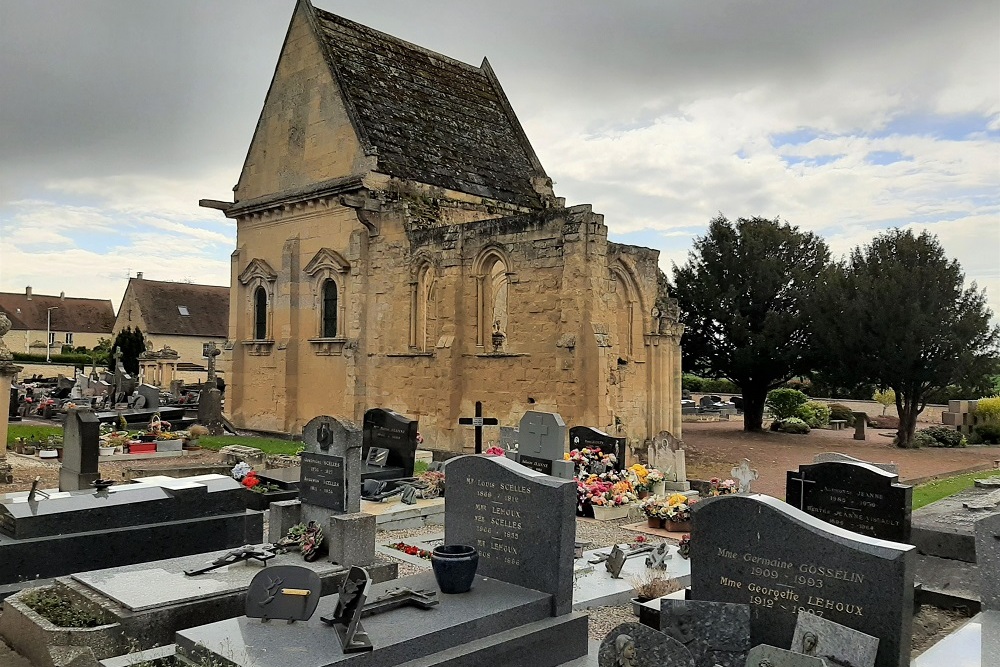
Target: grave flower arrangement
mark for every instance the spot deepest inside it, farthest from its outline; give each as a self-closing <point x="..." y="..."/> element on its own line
<point x="678" y="508"/>
<point x="495" y="451"/>
<point x="638" y="475"/>
<point x="588" y="458"/>
<point x="684" y="546"/>
<point x="433" y="481"/>
<point x="241" y="470"/>
<point x="722" y="487"/>
<point x="607" y="490"/>
<point x="411" y="550"/>
<point x="653" y="476"/>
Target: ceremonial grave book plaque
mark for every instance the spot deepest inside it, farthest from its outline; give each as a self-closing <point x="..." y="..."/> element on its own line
<point x="322" y="481"/>
<point x="856" y="496"/>
<point x="521" y="522"/>
<point x="759" y="550"/>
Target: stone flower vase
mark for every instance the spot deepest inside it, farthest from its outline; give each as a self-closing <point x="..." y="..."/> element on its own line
<point x="454" y="567"/>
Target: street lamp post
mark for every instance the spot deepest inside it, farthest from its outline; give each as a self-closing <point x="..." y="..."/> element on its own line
<point x="48" y="332"/>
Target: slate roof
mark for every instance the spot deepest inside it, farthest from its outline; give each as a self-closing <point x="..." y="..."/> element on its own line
<point x="159" y="301"/>
<point x="74" y="315"/>
<point x="431" y="119"/>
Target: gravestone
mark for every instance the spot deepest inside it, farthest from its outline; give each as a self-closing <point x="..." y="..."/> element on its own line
<point x="828" y="457"/>
<point x="759" y="550"/>
<point x="636" y="645"/>
<point x="330" y="493"/>
<point x="522" y="523"/>
<point x="283" y="592"/>
<point x="860" y="420"/>
<point x="836" y="643"/>
<point x="210" y="410"/>
<point x="745" y="475"/>
<point x="988" y="557"/>
<point x="855" y="496"/>
<point x="542" y="444"/>
<point x="716" y="633"/>
<point x="392" y="431"/>
<point x="765" y="655"/>
<point x="151" y="394"/>
<point x="81" y="439"/>
<point x="585" y="436"/>
<point x="508" y="437"/>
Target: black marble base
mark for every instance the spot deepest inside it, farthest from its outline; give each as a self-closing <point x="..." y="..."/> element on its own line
<point x="59" y="555"/>
<point x="496" y="623"/>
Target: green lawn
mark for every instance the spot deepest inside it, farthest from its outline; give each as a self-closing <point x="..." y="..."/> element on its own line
<point x="926" y="494"/>
<point x="28" y="431"/>
<point x="267" y="445"/>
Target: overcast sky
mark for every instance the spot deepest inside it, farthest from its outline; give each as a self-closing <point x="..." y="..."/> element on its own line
<point x="843" y="118"/>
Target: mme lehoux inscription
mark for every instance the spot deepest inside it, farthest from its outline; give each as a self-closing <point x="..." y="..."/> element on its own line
<point x="761" y="551"/>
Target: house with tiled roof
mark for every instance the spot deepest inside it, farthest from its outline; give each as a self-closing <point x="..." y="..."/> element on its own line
<point x="399" y="245"/>
<point x="178" y="322"/>
<point x="63" y="320"/>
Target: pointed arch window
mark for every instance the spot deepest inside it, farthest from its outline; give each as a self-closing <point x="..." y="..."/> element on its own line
<point x="423" y="308"/>
<point x="330" y="307"/>
<point x="494" y="276"/>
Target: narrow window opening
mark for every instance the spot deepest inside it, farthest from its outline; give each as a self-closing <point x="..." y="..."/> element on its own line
<point x="329" y="309"/>
<point x="260" y="314"/>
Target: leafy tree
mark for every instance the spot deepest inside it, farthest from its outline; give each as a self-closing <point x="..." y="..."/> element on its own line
<point x="742" y="295"/>
<point x="896" y="314"/>
<point x="132" y="344"/>
<point x="884" y="397"/>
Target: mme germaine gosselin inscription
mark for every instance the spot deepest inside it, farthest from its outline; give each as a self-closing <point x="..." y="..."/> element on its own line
<point x="760" y="551"/>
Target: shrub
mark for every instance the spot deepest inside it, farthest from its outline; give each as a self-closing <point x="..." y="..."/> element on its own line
<point x="988" y="433"/>
<point x="814" y="413"/>
<point x="886" y="398"/>
<point x="841" y="411"/>
<point x="784" y="402"/>
<point x="790" y="425"/>
<point x="719" y="387"/>
<point x="884" y="422"/>
<point x="944" y="436"/>
<point x="921" y="439"/>
<point x="988" y="410"/>
<point x="691" y="382"/>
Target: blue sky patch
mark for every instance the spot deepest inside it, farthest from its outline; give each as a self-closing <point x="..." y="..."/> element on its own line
<point x="886" y="157"/>
<point x="810" y="161"/>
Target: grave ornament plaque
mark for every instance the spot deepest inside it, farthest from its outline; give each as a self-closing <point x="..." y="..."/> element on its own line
<point x="347" y="616"/>
<point x="759" y="550"/>
<point x="636" y="645"/>
<point x="285" y="592"/>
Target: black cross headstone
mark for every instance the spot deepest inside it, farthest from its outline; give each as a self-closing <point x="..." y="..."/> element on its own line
<point x="479" y="421"/>
<point x="801" y="479"/>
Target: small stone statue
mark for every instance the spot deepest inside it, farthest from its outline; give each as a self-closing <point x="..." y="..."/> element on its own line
<point x="625" y="648"/>
<point x="745" y="475"/>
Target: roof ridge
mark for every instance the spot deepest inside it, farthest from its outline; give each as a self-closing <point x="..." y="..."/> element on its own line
<point x="176" y="282"/>
<point x="354" y="25"/>
<point x="35" y="295"/>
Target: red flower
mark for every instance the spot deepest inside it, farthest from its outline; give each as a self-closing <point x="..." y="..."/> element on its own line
<point x="250" y="480"/>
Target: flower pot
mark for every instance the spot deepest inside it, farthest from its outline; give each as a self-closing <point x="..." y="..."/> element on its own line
<point x="678" y="526"/>
<point x="637" y="604"/>
<point x="641" y="494"/>
<point x="48" y="454"/>
<point x="608" y="513"/>
<point x="658" y="488"/>
<point x="168" y="445"/>
<point x="147" y="437"/>
<point x="654" y="522"/>
<point x="142" y="448"/>
<point x="28" y="449"/>
<point x="106" y="451"/>
<point x="454" y="567"/>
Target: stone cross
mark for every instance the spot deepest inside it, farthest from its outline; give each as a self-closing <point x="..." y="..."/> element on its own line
<point x="119" y="372"/>
<point x="479" y="421"/>
<point x="801" y="479"/>
<point x="745" y="475"/>
<point x="213" y="352"/>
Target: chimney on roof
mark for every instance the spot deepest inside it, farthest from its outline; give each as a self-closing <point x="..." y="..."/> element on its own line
<point x="138" y="275"/>
<point x="62" y="296"/>
<point x="27" y="292"/>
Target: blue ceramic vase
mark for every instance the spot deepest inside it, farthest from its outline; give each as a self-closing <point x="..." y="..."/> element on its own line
<point x="454" y="567"/>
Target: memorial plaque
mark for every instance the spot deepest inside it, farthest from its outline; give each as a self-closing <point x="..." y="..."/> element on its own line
<point x="585" y="436"/>
<point x="853" y="495"/>
<point x="393" y="432"/>
<point x="759" y="550"/>
<point x="543" y="466"/>
<point x="522" y="523"/>
<point x="322" y="481"/>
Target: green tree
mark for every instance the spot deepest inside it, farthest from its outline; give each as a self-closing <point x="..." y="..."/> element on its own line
<point x="132" y="344"/>
<point x="742" y="295"/>
<point x="884" y="397"/>
<point x="896" y="314"/>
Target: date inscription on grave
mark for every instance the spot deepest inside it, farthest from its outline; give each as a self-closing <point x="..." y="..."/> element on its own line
<point x="323" y="481"/>
<point x="543" y="466"/>
<point x="498" y="521"/>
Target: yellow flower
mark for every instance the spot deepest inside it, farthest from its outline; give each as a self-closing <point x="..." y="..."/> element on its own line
<point x="566" y="456"/>
<point x="676" y="499"/>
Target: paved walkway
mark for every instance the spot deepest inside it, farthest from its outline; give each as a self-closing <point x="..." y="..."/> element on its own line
<point x="715" y="447"/>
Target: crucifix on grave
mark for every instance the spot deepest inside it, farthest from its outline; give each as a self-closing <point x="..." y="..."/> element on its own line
<point x="801" y="479"/>
<point x="479" y="421"/>
<point x="745" y="475"/>
<point x="212" y="352"/>
<point x="119" y="374"/>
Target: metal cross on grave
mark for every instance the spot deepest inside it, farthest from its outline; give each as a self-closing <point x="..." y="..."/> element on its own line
<point x="745" y="475"/>
<point x="479" y="421"/>
<point x="801" y="479"/>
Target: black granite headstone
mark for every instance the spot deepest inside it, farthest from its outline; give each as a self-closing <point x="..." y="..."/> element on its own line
<point x="759" y="550"/>
<point x="521" y="522"/>
<point x="285" y="592"/>
<point x="585" y="436"/>
<point x="856" y="496"/>
<point x="392" y="431"/>
<point x="323" y="483"/>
